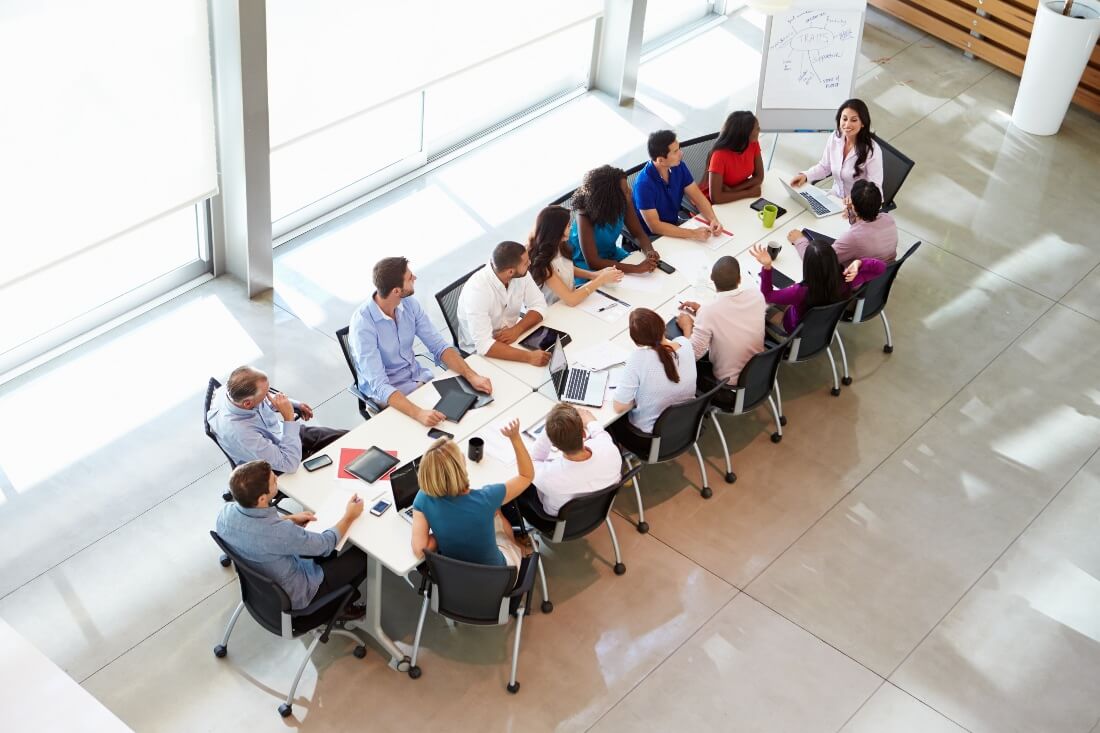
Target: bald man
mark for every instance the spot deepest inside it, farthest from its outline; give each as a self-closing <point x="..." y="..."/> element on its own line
<point x="254" y="423"/>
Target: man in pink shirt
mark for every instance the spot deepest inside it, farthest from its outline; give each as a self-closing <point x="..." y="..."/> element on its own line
<point x="873" y="234"/>
<point x="730" y="327"/>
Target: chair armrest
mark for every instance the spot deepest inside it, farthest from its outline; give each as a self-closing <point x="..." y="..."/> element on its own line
<point x="629" y="475"/>
<point x="527" y="579"/>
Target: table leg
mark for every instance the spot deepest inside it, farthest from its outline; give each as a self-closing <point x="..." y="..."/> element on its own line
<point x="372" y="621"/>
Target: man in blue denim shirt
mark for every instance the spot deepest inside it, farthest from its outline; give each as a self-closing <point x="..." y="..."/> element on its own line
<point x="300" y="561"/>
<point x="254" y="423"/>
<point x="381" y="340"/>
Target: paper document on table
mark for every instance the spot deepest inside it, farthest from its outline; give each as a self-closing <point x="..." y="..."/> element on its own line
<point x="712" y="243"/>
<point x="499" y="447"/>
<point x="600" y="356"/>
<point x="604" y="307"/>
<point x="646" y="283"/>
<point x="332" y="511"/>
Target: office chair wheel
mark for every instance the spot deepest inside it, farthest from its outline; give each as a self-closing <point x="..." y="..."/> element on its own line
<point x="284" y="710"/>
<point x="220" y="651"/>
<point x="776" y="437"/>
<point x="359" y="651"/>
<point x="835" y="391"/>
<point x="414" y="672"/>
<point x="731" y="477"/>
<point x="643" y="527"/>
<point x="783" y="420"/>
<point x="619" y="568"/>
<point x="226" y="496"/>
<point x="513" y="688"/>
<point x="706" y="492"/>
<point x="846" y="381"/>
<point x="547" y="607"/>
<point x="888" y="349"/>
<point x="224" y="560"/>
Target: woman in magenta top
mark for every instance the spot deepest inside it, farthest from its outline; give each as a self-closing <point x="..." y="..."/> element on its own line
<point x="823" y="282"/>
<point x="735" y="168"/>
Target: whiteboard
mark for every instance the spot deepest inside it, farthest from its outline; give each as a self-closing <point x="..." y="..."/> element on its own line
<point x="808" y="64"/>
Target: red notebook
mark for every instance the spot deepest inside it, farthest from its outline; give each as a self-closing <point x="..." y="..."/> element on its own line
<point x="347" y="455"/>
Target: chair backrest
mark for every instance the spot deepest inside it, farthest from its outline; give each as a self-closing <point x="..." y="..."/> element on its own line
<point x="817" y="329"/>
<point x="895" y="169"/>
<point x="565" y="200"/>
<point x="872" y="297"/>
<point x="582" y="514"/>
<point x="468" y="592"/>
<point x="677" y="428"/>
<point x="265" y="600"/>
<point x="696" y="151"/>
<point x="632" y="176"/>
<point x="211" y="387"/>
<point x="757" y="378"/>
<point x="342" y="338"/>
<point x="448" y="303"/>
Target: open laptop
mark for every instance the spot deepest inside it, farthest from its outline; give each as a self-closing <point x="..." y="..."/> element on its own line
<point x="579" y="386"/>
<point x="814" y="200"/>
<point x="405" y="484"/>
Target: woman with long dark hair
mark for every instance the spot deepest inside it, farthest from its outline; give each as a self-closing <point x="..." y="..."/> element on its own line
<point x="851" y="154"/>
<point x="660" y="373"/>
<point x="603" y="204"/>
<point x="823" y="282"/>
<point x="552" y="266"/>
<point x="735" y="168"/>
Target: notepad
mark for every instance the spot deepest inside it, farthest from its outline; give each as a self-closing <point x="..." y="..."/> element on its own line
<point x="646" y="283"/>
<point x="600" y="356"/>
<point x="331" y="511"/>
<point x="713" y="242"/>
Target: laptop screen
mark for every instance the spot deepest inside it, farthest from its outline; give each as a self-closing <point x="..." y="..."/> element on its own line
<point x="405" y="484"/>
<point x="559" y="365"/>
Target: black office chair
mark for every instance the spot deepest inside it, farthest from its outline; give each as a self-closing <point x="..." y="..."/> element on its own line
<point x="212" y="387"/>
<point x="871" y="298"/>
<point x="367" y="407"/>
<point x="578" y="517"/>
<point x="754" y="387"/>
<point x="815" y="334"/>
<point x="675" y="432"/>
<point x="895" y="169"/>
<point x="631" y="176"/>
<point x="696" y="153"/>
<point x="448" y="303"/>
<point x="270" y="606"/>
<point x="479" y="595"/>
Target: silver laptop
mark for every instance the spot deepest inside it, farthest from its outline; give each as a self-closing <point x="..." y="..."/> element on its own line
<point x="571" y="384"/>
<point x="814" y="200"/>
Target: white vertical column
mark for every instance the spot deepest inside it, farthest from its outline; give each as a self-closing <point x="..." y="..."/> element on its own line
<point x="241" y="226"/>
<point x="620" y="49"/>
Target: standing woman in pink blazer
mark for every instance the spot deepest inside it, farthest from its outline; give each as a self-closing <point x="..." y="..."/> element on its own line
<point x="851" y="154"/>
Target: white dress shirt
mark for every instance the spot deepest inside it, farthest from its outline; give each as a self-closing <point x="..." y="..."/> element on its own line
<point x="558" y="479"/>
<point x="843" y="169"/>
<point x="486" y="306"/>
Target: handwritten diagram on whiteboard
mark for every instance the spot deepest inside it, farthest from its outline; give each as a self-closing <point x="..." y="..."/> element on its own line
<point x="811" y="57"/>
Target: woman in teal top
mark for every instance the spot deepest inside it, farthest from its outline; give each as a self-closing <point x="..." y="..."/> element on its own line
<point x="603" y="206"/>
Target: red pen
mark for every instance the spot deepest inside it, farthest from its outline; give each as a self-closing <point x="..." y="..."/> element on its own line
<point x="724" y="231"/>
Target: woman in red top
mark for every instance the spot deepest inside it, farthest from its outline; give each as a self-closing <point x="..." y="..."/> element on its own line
<point x="735" y="169"/>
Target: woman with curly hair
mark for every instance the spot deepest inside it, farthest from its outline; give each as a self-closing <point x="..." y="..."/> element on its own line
<point x="552" y="266"/>
<point x="603" y="206"/>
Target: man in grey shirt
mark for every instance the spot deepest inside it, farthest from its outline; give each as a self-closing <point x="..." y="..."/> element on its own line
<point x="300" y="561"/>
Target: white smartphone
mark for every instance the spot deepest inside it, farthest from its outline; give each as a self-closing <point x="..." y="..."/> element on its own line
<point x="380" y="508"/>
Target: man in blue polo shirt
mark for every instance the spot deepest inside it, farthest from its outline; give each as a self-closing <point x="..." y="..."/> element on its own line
<point x="661" y="187"/>
<point x="381" y="340"/>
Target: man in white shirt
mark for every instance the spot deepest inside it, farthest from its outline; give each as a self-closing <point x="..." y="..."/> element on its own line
<point x="730" y="327"/>
<point x="586" y="459"/>
<point x="490" y="306"/>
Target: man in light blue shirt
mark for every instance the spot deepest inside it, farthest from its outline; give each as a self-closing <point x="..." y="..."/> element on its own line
<point x="381" y="340"/>
<point x="252" y="422"/>
<point x="300" y="561"/>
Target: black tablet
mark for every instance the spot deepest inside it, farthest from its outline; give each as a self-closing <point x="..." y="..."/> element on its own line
<point x="543" y="337"/>
<point x="759" y="205"/>
<point x="371" y="465"/>
<point x="455" y="404"/>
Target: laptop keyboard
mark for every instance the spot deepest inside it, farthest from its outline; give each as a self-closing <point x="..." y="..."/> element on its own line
<point x="577" y="385"/>
<point x="814" y="203"/>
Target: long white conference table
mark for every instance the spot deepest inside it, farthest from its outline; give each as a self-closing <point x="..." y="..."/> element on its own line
<point x="521" y="390"/>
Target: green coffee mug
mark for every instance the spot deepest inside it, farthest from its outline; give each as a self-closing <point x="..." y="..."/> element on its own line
<point x="768" y="215"/>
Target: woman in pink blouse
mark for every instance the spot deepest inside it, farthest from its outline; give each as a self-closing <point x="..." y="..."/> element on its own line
<point x="850" y="154"/>
<point x="823" y="282"/>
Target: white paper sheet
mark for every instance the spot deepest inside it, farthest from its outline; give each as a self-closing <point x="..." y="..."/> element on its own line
<point x="715" y="242"/>
<point x="599" y="356"/>
<point x="646" y="283"/>
<point x="333" y="508"/>
<point x="604" y="307"/>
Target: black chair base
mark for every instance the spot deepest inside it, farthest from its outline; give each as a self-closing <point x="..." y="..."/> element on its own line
<point x="730" y="477"/>
<point x="835" y="391"/>
<point x="619" y="568"/>
<point x="513" y="688"/>
<point x="888" y="349"/>
<point x="643" y="527"/>
<point x="776" y="437"/>
<point x="547" y="607"/>
<point x="846" y="381"/>
<point x="414" y="672"/>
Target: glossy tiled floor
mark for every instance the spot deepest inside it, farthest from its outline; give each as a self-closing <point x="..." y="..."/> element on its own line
<point x="919" y="555"/>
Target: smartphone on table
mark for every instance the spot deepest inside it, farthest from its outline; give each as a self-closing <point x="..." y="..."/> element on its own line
<point x="380" y="508"/>
<point x="436" y="433"/>
<point x="312" y="464"/>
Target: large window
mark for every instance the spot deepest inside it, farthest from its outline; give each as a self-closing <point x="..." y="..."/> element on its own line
<point x="361" y="93"/>
<point x="664" y="17"/>
<point x="106" y="154"/>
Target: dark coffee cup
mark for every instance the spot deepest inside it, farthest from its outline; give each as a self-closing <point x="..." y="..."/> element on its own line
<point x="774" y="250"/>
<point x="476" y="449"/>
